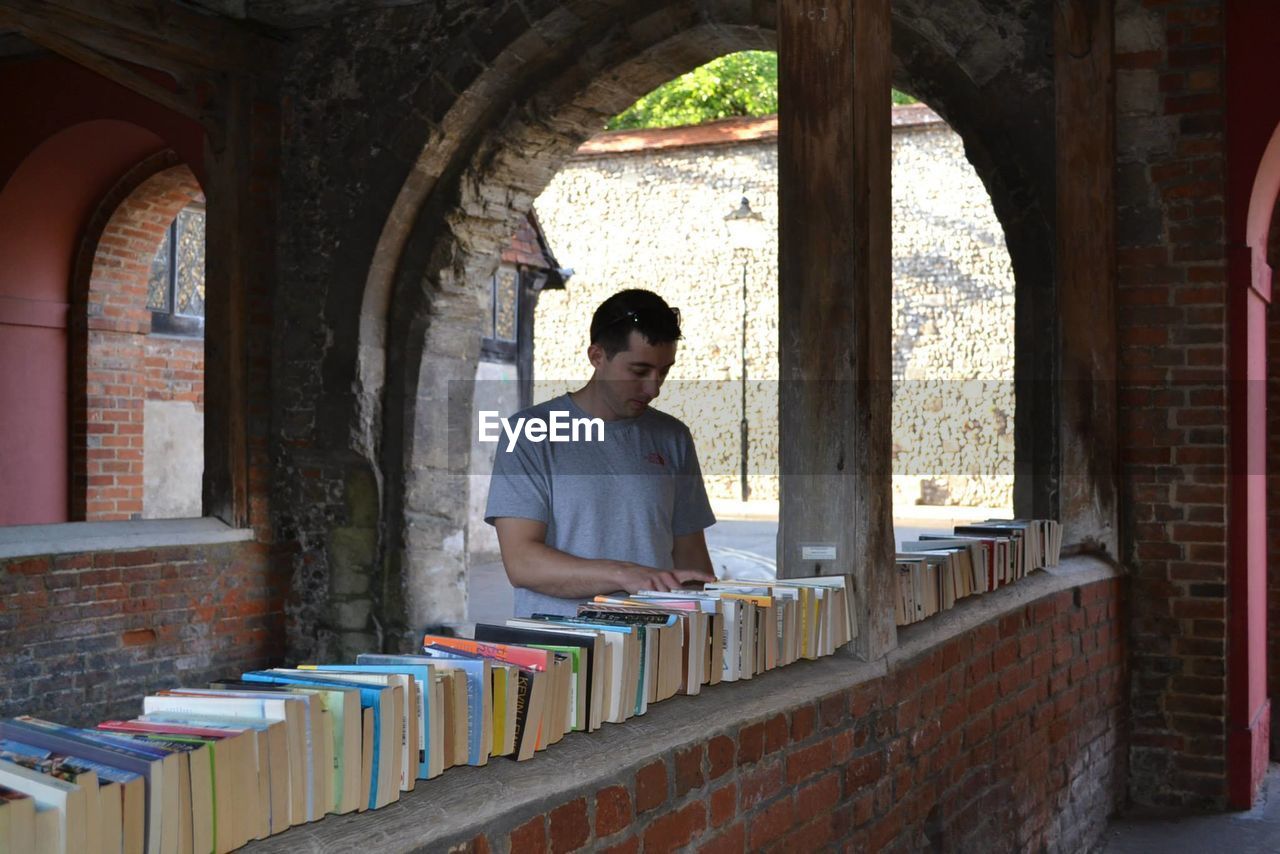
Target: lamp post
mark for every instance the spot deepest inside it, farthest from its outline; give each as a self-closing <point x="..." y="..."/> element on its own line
<point x="746" y="232"/>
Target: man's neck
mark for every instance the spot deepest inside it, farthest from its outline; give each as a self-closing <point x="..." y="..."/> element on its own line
<point x="589" y="400"/>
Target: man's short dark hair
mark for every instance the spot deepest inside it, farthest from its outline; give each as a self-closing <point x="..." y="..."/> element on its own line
<point x="638" y="309"/>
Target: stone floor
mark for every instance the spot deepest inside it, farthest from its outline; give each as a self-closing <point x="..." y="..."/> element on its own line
<point x="1254" y="832"/>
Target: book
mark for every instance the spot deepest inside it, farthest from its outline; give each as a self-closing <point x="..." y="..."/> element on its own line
<point x="405" y="713"/>
<point x="320" y="735"/>
<point x="381" y="743"/>
<point x="228" y="751"/>
<point x="102" y="800"/>
<point x="593" y="642"/>
<point x="663" y="637"/>
<point x="71" y="829"/>
<point x="257" y="790"/>
<point x="195" y="786"/>
<point x="584" y="649"/>
<point x="219" y="703"/>
<point x="161" y="834"/>
<point x="479" y="694"/>
<point x="625" y="645"/>
<point x="535" y="689"/>
<point x="343" y="706"/>
<point x="295" y="711"/>
<point x="17" y="820"/>
<point x="425" y="708"/>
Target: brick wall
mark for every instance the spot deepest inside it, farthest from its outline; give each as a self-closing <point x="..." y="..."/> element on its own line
<point x="174" y="369"/>
<point x="1172" y="314"/>
<point x="118" y="374"/>
<point x="1007" y="737"/>
<point x="87" y="634"/>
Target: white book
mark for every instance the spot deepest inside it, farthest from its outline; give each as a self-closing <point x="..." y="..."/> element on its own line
<point x="71" y="829"/>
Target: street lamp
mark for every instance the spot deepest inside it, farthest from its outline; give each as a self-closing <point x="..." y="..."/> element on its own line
<point x="746" y="233"/>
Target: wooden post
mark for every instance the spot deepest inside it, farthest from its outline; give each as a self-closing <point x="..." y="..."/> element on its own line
<point x="1085" y="146"/>
<point x="228" y="233"/>
<point x="835" y="292"/>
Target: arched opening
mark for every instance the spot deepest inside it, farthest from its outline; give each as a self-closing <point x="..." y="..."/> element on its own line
<point x="1248" y="707"/>
<point x="1273" y="495"/>
<point x="487" y="160"/>
<point x="137" y="419"/>
<point x="646" y="208"/>
<point x="43" y="206"/>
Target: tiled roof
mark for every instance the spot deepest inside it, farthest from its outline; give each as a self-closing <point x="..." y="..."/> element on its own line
<point x="721" y="132"/>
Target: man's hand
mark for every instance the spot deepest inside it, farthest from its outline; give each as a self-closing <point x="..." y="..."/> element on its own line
<point x="633" y="577"/>
<point x="532" y="564"/>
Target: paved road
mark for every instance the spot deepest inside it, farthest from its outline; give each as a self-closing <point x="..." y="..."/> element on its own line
<point x="739" y="549"/>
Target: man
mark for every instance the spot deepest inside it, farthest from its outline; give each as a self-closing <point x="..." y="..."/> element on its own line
<point x="581" y="518"/>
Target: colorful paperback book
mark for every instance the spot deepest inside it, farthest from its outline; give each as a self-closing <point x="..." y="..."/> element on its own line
<point x="196" y="820"/>
<point x="259" y="794"/>
<point x="520" y="656"/>
<point x="209" y="702"/>
<point x="479" y="678"/>
<point x="222" y="772"/>
<point x="312" y="786"/>
<point x="371" y="697"/>
<point x="160" y="793"/>
<point x="18" y="812"/>
<point x="71" y="832"/>
<point x="626" y="644"/>
<point x="411" y="713"/>
<point x="580" y="649"/>
<point x="127" y="787"/>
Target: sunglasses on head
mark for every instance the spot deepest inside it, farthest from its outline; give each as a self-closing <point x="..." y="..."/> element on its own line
<point x="634" y="316"/>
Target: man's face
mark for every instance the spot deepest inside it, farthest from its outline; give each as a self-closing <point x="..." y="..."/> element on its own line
<point x="633" y="377"/>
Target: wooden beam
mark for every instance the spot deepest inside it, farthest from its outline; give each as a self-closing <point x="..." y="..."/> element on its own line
<point x="179" y="102"/>
<point x="152" y="33"/>
<point x="835" y="292"/>
<point x="228" y="235"/>
<point x="1086" y="264"/>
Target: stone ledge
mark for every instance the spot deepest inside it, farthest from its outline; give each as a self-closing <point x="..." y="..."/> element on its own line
<point x="70" y="537"/>
<point x="465" y="802"/>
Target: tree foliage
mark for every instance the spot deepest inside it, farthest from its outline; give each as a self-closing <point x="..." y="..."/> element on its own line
<point x="739" y="84"/>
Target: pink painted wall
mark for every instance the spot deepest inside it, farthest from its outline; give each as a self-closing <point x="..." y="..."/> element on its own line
<point x="69" y="135"/>
<point x="42" y="210"/>
<point x="1253" y="111"/>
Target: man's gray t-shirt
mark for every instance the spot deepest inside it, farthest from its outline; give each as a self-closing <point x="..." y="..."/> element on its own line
<point x="624" y="498"/>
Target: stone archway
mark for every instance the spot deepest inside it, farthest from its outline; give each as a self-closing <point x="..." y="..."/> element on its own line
<point x="491" y="132"/>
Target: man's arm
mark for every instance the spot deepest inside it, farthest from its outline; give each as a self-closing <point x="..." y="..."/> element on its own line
<point x="532" y="564"/>
<point x="690" y="552"/>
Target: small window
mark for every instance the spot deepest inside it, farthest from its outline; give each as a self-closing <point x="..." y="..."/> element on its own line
<point x="175" y="289"/>
<point x="501" y="334"/>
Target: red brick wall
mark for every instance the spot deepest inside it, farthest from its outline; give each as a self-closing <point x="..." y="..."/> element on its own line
<point x="1008" y="737"/>
<point x="1172" y="316"/>
<point x="86" y="635"/>
<point x="175" y="370"/>
<point x="118" y="373"/>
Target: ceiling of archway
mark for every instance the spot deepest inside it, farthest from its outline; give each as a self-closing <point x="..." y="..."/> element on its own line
<point x="986" y="37"/>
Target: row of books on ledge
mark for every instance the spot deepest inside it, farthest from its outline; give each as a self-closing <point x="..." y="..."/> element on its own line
<point x="935" y="572"/>
<point x="210" y="768"/>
